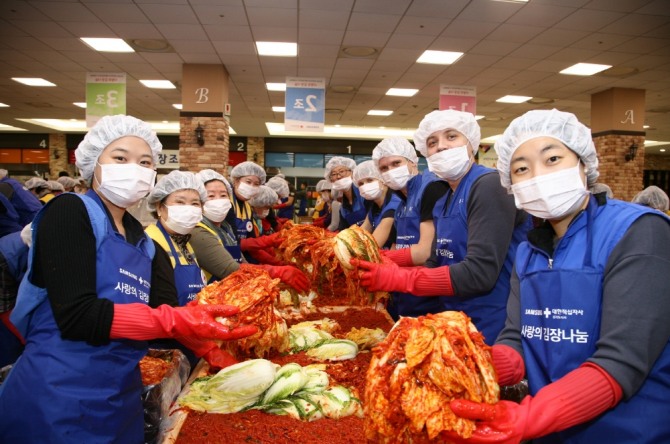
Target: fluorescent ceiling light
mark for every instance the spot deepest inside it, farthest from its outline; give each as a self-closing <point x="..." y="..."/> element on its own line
<point x="277" y="49"/>
<point x="477" y="117"/>
<point x="491" y="139"/>
<point x="177" y="105"/>
<point x="279" y="109"/>
<point x="4" y="105"/>
<point x="662" y="150"/>
<point x="513" y="99"/>
<point x="107" y="45"/>
<point x="79" y="104"/>
<point x="33" y="81"/>
<point x="276" y="86"/>
<point x="655" y="143"/>
<point x="74" y="125"/>
<point x="158" y="84"/>
<point x="402" y="92"/>
<point x="379" y="112"/>
<point x="343" y="132"/>
<point x="439" y="57"/>
<point x="4" y="127"/>
<point x="585" y="69"/>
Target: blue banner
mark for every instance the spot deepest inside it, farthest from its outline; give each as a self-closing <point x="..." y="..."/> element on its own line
<point x="305" y="104"/>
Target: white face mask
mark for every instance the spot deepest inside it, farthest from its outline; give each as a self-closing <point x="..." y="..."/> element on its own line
<point x="247" y="191"/>
<point x="263" y="214"/>
<point x="397" y="178"/>
<point x="124" y="184"/>
<point x="216" y="210"/>
<point x="342" y="184"/>
<point x="182" y="218"/>
<point x="371" y="190"/>
<point x="553" y="195"/>
<point x="451" y="164"/>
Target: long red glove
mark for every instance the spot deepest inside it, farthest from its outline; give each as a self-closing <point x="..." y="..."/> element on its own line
<point x="209" y="351"/>
<point x="508" y="364"/>
<point x="419" y="281"/>
<point x="577" y="397"/>
<point x="259" y="243"/>
<point x="402" y="257"/>
<point x="264" y="257"/>
<point x="141" y="322"/>
<point x="288" y="275"/>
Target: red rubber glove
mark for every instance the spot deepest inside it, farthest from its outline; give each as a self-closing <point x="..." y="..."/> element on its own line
<point x="577" y="397"/>
<point x="218" y="359"/>
<point x="508" y="364"/>
<point x="290" y="275"/>
<point x="141" y="322"/>
<point x="259" y="243"/>
<point x="419" y="281"/>
<point x="264" y="257"/>
<point x="402" y="256"/>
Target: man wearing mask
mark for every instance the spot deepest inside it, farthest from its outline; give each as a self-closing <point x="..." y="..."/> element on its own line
<point x="338" y="172"/>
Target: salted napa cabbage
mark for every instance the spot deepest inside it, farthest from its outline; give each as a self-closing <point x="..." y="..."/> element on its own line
<point x="334" y="350"/>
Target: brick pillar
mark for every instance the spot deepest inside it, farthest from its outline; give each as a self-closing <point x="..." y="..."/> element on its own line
<point x="213" y="154"/>
<point x="256" y="150"/>
<point x="57" y="154"/>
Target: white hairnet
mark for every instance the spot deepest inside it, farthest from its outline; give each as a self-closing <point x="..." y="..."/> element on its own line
<point x="336" y="161"/>
<point x="323" y="185"/>
<point x="248" y="169"/>
<point x="280" y="186"/>
<point x="36" y="182"/>
<point x="67" y="182"/>
<point x="366" y="169"/>
<point x="106" y="131"/>
<point x="266" y="197"/>
<point x="553" y="123"/>
<point x="394" y="146"/>
<point x="653" y="197"/>
<point x="463" y="122"/>
<point x="208" y="175"/>
<point x="598" y="188"/>
<point x="3" y="173"/>
<point x="175" y="181"/>
<point x="55" y="185"/>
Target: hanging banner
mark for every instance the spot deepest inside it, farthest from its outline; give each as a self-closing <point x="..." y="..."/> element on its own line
<point x="305" y="104"/>
<point x="460" y="98"/>
<point x="487" y="156"/>
<point x="105" y="95"/>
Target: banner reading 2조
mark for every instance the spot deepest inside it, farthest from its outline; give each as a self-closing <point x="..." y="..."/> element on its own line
<point x="105" y="95"/>
<point x="305" y="104"/>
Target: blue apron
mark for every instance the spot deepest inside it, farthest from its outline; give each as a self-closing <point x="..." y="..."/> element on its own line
<point x="391" y="202"/>
<point x="286" y="212"/>
<point x="188" y="278"/>
<point x="355" y="213"/>
<point x="227" y="239"/>
<point x="487" y="311"/>
<point x="560" y="324"/>
<point x="407" y="220"/>
<point x="69" y="391"/>
<point x="243" y="219"/>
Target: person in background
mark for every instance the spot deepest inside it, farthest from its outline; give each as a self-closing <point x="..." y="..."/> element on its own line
<point x="338" y="172"/>
<point x="653" y="197"/>
<point x="87" y="312"/>
<point x="335" y="207"/>
<point x="26" y="204"/>
<point x="55" y="187"/>
<point x="280" y="186"/>
<point x="380" y="203"/>
<point x="63" y="174"/>
<point x="264" y="221"/>
<point x="588" y="309"/>
<point x="397" y="162"/>
<point x="215" y="245"/>
<point x="81" y="187"/>
<point x="247" y="178"/>
<point x="68" y="183"/>
<point x="598" y="188"/>
<point x="472" y="262"/>
<point x="40" y="189"/>
<point x="286" y="209"/>
<point x="322" y="216"/>
<point x="303" y="200"/>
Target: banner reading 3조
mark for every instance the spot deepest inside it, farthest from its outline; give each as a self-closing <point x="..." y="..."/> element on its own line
<point x="105" y="95"/>
<point x="305" y="104"/>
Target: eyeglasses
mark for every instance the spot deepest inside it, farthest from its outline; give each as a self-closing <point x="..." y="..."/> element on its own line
<point x="334" y="175"/>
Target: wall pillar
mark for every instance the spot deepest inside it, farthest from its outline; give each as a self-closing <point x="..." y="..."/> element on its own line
<point x="57" y="154"/>
<point x="256" y="150"/>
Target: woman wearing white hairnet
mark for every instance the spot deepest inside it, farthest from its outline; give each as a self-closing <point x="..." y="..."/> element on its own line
<point x="338" y="172"/>
<point x="264" y="219"/>
<point x="653" y="197"/>
<point x="216" y="246"/>
<point x="419" y="192"/>
<point x="85" y="312"/>
<point x="323" y="209"/>
<point x="40" y="188"/>
<point x="380" y="203"/>
<point x="247" y="178"/>
<point x="588" y="309"/>
<point x="283" y="209"/>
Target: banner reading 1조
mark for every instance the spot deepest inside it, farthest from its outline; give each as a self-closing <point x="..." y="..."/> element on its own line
<point x="105" y="95"/>
<point x="305" y="104"/>
<point x="460" y="98"/>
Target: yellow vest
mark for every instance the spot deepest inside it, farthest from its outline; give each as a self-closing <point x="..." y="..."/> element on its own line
<point x="46" y="198"/>
<point x="156" y="234"/>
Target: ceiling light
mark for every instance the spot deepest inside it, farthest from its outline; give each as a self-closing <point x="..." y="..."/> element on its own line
<point x="513" y="99"/>
<point x="645" y="126"/>
<point x="402" y="92"/>
<point x="33" y="81"/>
<point x="277" y="49"/>
<point x="585" y="69"/>
<point x="79" y="104"/>
<point x="662" y="150"/>
<point x="491" y="139"/>
<point x="4" y="105"/>
<point x="279" y="109"/>
<point x="346" y="132"/>
<point x="439" y="57"/>
<point x="158" y="84"/>
<point x="4" y="127"/>
<point x="379" y="112"/>
<point x="276" y="86"/>
<point x="177" y="105"/>
<point x="477" y="117"/>
<point x="107" y="45"/>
